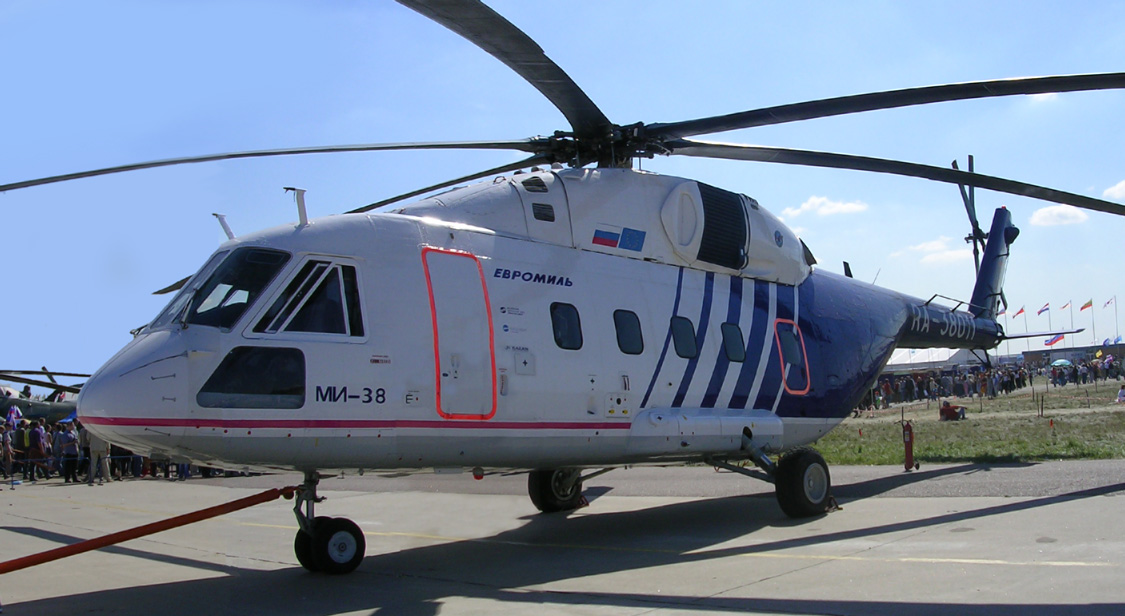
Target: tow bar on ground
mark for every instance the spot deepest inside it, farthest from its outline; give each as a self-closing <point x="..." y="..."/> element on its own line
<point x="142" y="531"/>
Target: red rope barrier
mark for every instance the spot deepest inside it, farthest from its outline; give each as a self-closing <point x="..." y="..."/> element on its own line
<point x="141" y="531"/>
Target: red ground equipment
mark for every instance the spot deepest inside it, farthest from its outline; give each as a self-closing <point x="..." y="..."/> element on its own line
<point x="908" y="443"/>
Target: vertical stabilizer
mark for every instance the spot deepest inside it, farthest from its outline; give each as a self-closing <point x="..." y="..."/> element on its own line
<point x="990" y="279"/>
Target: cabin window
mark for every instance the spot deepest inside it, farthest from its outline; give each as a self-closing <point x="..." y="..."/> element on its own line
<point x="322" y="298"/>
<point x="234" y="286"/>
<point x="683" y="336"/>
<point x="794" y="361"/>
<point x="567" y="326"/>
<point x="628" y="327"/>
<point x="256" y="378"/>
<point x="732" y="342"/>
<point x="790" y="346"/>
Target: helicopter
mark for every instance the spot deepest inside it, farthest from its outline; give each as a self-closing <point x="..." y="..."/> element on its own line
<point x="60" y="404"/>
<point x="570" y="315"/>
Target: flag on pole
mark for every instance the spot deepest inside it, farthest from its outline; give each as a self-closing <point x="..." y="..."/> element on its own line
<point x="1052" y="341"/>
<point x="1089" y="304"/>
<point x="1066" y="305"/>
<point x="1045" y="308"/>
<point x="1109" y="302"/>
<point x="1018" y="312"/>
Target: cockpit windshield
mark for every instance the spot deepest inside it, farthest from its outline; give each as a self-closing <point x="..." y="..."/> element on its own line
<point x="175" y="308"/>
<point x="233" y="287"/>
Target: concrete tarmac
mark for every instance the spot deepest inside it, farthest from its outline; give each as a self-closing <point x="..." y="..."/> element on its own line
<point x="1043" y="539"/>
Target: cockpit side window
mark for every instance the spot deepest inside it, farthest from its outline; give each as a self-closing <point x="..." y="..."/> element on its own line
<point x="232" y="288"/>
<point x="256" y="378"/>
<point x="322" y="298"/>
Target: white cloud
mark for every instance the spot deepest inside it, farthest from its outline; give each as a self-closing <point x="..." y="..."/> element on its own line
<point x="825" y="207"/>
<point x="948" y="256"/>
<point x="937" y="245"/>
<point x="938" y="252"/>
<point x="1054" y="215"/>
<point x="1115" y="192"/>
<point x="1046" y="96"/>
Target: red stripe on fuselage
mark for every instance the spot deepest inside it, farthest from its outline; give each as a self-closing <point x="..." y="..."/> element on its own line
<point x="335" y="424"/>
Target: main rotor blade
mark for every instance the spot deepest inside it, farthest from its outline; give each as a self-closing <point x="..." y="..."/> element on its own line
<point x="812" y="158"/>
<point x="887" y="100"/>
<point x="175" y="286"/>
<point x="487" y="29"/>
<point x="43" y="372"/>
<point x="523" y="145"/>
<point x="527" y="162"/>
<point x="16" y="379"/>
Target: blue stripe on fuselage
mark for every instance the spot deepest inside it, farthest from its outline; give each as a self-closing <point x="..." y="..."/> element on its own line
<point x="754" y="341"/>
<point x="667" y="339"/>
<point x="719" y="374"/>
<point x="771" y="384"/>
<point x="700" y="336"/>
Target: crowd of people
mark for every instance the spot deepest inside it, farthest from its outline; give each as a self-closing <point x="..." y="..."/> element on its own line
<point x="33" y="451"/>
<point x="985" y="383"/>
<point x="1085" y="371"/>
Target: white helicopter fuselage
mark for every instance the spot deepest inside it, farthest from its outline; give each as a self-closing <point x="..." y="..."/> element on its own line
<point x="572" y="318"/>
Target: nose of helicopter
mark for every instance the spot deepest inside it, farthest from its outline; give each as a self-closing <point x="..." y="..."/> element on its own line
<point x="136" y="399"/>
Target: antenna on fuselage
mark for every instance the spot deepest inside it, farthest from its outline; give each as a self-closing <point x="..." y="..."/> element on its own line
<point x="300" y="193"/>
<point x="223" y="221"/>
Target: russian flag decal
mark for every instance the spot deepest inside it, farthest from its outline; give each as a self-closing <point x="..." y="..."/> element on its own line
<point x="619" y="237"/>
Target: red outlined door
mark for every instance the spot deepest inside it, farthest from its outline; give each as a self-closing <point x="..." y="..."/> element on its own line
<point x="464" y="354"/>
<point x="794" y="361"/>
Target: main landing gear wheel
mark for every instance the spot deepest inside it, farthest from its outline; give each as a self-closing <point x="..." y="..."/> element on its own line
<point x="804" y="487"/>
<point x="328" y="545"/>
<point x="555" y="489"/>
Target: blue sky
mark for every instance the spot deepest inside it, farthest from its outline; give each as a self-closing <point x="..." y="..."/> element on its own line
<point x="89" y="85"/>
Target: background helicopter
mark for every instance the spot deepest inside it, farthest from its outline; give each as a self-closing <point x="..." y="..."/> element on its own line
<point x="60" y="403"/>
<point x="595" y="139"/>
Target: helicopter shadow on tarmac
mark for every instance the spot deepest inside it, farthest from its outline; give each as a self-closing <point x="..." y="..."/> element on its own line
<point x="545" y="565"/>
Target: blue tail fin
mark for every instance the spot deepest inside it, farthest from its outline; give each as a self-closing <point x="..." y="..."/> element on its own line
<point x="990" y="279"/>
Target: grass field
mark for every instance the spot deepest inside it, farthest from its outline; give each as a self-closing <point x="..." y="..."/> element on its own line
<point x="1076" y="423"/>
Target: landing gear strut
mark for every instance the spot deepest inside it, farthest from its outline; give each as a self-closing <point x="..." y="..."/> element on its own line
<point x="800" y="478"/>
<point x="328" y="545"/>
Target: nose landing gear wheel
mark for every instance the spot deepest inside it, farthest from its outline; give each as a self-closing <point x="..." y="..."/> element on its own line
<point x="328" y="545"/>
<point x="804" y="487"/>
<point x="303" y="547"/>
<point x="336" y="545"/>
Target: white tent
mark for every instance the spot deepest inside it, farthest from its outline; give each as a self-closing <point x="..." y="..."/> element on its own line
<point x="911" y="360"/>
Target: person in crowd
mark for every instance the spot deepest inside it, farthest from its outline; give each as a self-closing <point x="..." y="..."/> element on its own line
<point x="99" y="459"/>
<point x="5" y="451"/>
<point x="38" y="452"/>
<point x="68" y="447"/>
<point x="949" y="412"/>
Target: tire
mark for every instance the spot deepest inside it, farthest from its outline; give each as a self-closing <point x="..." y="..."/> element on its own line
<point x="547" y="493"/>
<point x="302" y="547"/>
<point x="338" y="545"/>
<point x="803" y="484"/>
